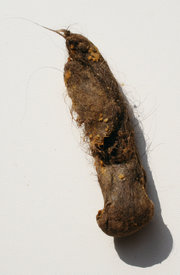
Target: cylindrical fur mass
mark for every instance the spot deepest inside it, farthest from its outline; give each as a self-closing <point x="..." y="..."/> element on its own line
<point x="102" y="109"/>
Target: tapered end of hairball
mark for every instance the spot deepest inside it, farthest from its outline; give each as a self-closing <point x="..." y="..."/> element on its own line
<point x="63" y="32"/>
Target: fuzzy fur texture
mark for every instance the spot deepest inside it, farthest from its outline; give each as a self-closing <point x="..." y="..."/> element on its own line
<point x="103" y="111"/>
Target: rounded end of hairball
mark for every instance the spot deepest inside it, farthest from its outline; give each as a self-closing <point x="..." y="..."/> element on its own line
<point x="116" y="224"/>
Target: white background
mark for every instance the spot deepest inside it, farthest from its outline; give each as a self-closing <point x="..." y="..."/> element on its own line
<point x="49" y="194"/>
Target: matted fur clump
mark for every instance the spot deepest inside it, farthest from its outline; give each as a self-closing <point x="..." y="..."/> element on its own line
<point x="103" y="111"/>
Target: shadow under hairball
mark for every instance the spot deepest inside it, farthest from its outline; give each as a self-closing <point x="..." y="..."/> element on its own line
<point x="154" y="242"/>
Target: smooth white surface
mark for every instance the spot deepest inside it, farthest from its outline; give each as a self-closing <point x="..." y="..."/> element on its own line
<point x="49" y="194"/>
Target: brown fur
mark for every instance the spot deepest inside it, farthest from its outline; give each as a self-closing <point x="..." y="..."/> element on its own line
<point x="103" y="111"/>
